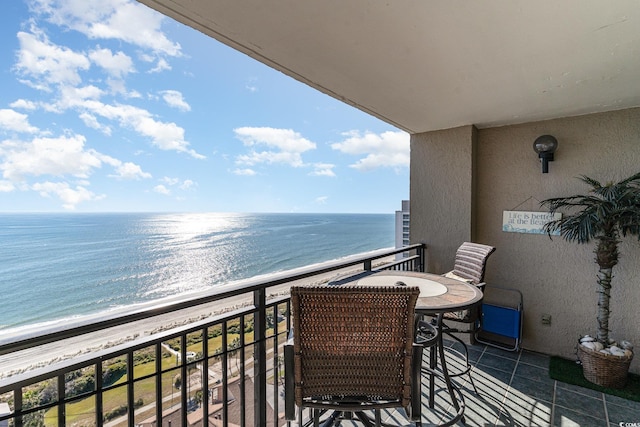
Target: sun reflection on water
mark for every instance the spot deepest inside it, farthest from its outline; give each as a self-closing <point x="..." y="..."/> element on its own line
<point x="60" y="265"/>
<point x="194" y="250"/>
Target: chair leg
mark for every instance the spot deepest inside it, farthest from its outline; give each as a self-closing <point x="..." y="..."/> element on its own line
<point x="366" y="419"/>
<point x="467" y="369"/>
<point x="334" y="418"/>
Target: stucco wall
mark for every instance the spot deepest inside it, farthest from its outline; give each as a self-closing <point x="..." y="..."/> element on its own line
<point x="445" y="218"/>
<point x="555" y="277"/>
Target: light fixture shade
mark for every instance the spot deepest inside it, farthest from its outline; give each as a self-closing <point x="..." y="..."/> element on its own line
<point x="545" y="144"/>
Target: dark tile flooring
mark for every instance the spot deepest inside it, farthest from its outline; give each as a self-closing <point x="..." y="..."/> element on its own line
<point x="514" y="389"/>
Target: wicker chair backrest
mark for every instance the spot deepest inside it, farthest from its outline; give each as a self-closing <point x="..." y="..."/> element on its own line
<point x="353" y="341"/>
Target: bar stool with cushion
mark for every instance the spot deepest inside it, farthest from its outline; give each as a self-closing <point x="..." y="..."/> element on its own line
<point x="352" y="351"/>
<point x="469" y="266"/>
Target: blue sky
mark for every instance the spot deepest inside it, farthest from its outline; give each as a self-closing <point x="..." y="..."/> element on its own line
<point x="108" y="106"/>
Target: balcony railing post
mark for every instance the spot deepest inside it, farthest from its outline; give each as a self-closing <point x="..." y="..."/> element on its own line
<point x="131" y="411"/>
<point x="62" y="407"/>
<point x="204" y="375"/>
<point x="421" y="254"/>
<point x="159" y="396"/>
<point x="99" y="396"/>
<point x="260" y="359"/>
<point x="184" y="380"/>
<point x="17" y="403"/>
<point x="225" y="373"/>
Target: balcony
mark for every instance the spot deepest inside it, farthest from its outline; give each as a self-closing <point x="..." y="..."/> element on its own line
<point x="229" y="367"/>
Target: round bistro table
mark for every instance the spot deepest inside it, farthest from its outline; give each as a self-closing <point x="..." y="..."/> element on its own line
<point x="438" y="295"/>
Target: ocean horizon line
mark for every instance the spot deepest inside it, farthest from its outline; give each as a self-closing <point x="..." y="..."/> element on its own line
<point x="64" y="265"/>
<point x="64" y="212"/>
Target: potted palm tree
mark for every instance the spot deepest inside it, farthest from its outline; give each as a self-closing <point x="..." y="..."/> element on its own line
<point x="604" y="215"/>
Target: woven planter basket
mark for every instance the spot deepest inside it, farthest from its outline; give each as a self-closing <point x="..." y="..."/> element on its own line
<point x="602" y="369"/>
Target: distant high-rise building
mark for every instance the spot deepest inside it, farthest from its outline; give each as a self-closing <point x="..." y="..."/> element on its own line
<point x="402" y="229"/>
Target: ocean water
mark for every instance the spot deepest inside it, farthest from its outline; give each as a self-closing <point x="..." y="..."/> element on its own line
<point x="57" y="266"/>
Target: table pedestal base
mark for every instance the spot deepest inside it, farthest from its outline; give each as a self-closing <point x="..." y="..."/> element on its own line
<point x="457" y="399"/>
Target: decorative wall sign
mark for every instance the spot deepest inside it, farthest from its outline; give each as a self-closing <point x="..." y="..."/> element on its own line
<point x="528" y="222"/>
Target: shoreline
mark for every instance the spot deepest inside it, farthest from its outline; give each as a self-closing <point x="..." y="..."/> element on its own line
<point x="45" y="355"/>
<point x="59" y="268"/>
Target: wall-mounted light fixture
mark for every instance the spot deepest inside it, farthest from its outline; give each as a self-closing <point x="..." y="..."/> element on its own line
<point x="545" y="146"/>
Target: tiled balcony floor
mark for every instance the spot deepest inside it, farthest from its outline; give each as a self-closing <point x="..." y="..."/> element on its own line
<point x="515" y="390"/>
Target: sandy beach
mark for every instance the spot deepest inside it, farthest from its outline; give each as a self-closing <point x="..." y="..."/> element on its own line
<point x="65" y="350"/>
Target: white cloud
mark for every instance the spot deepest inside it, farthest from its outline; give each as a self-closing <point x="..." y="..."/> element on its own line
<point x="47" y="63"/>
<point x="64" y="155"/>
<point x="250" y="85"/>
<point x="124" y="20"/>
<point x="70" y="197"/>
<point x="61" y="157"/>
<point x="133" y="94"/>
<point x="164" y="135"/>
<point x="161" y="189"/>
<point x="270" y="157"/>
<point x="323" y="169"/>
<point x="13" y="121"/>
<point x="23" y="104"/>
<point x="116" y="65"/>
<point x="286" y="146"/>
<point x="92" y="121"/>
<point x="170" y="181"/>
<point x="6" y="186"/>
<point x="183" y="185"/>
<point x="322" y="200"/>
<point x="283" y="139"/>
<point x="130" y="171"/>
<point x="187" y="184"/>
<point x="74" y="97"/>
<point x="161" y="66"/>
<point x="174" y="99"/>
<point x="389" y="149"/>
<point x="245" y="172"/>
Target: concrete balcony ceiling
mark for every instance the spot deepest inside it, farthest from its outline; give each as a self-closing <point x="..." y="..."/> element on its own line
<point x="424" y="65"/>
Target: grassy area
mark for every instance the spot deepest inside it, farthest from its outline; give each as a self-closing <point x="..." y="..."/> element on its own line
<point x="82" y="412"/>
<point x="569" y="372"/>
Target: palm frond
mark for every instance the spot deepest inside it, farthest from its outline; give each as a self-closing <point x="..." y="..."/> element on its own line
<point x="556" y="203"/>
<point x="607" y="210"/>
<point x="590" y="181"/>
<point x="628" y="219"/>
<point x="633" y="180"/>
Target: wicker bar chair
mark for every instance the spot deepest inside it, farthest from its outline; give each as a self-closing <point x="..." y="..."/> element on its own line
<point x="352" y="350"/>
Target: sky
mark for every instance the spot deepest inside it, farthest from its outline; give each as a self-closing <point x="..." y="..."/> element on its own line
<point x="109" y="106"/>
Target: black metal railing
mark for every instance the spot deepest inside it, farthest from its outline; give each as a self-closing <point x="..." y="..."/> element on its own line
<point x="226" y="367"/>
